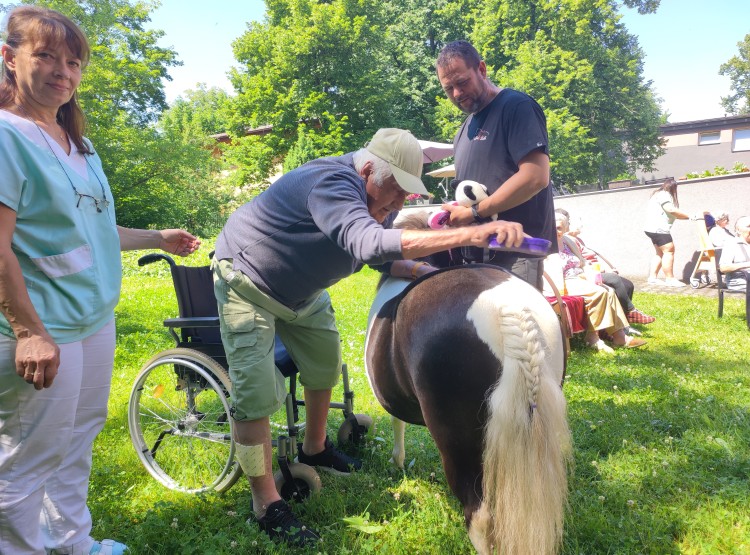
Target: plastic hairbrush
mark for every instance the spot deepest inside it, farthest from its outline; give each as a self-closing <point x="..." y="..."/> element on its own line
<point x="529" y="245"/>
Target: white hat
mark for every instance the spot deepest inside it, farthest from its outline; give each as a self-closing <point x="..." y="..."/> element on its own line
<point x="404" y="155"/>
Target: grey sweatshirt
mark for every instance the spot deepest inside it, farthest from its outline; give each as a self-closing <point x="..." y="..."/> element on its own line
<point x="307" y="231"/>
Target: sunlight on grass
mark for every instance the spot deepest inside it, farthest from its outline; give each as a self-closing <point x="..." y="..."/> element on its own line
<point x="662" y="446"/>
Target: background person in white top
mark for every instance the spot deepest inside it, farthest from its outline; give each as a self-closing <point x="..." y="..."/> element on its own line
<point x="662" y="210"/>
<point x="735" y="256"/>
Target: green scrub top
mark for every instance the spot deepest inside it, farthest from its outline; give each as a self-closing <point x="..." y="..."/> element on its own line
<point x="69" y="252"/>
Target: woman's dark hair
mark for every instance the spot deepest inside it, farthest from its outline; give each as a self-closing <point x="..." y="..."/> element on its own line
<point x="670" y="186"/>
<point x="47" y="28"/>
<point x="459" y="49"/>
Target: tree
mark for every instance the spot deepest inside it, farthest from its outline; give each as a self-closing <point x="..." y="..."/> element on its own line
<point x="308" y="59"/>
<point x="157" y="180"/>
<point x="327" y="136"/>
<point x="197" y="114"/>
<point x="737" y="69"/>
<point x="363" y="64"/>
<point x="643" y="6"/>
<point x="370" y="64"/>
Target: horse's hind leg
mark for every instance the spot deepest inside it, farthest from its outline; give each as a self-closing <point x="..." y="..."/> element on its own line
<point x="399" y="451"/>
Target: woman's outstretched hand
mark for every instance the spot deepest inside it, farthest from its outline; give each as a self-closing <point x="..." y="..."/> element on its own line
<point x="178" y="241"/>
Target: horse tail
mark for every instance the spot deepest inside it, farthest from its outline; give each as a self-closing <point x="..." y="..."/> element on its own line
<point x="527" y="447"/>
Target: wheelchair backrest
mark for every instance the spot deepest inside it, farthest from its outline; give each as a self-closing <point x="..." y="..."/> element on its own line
<point x="194" y="287"/>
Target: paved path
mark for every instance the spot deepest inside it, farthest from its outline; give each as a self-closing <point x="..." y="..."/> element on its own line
<point x="642" y="285"/>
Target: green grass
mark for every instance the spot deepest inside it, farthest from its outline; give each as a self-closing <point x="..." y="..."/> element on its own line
<point x="662" y="446"/>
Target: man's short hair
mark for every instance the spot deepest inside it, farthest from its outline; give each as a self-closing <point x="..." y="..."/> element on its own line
<point x="459" y="49"/>
<point x="380" y="168"/>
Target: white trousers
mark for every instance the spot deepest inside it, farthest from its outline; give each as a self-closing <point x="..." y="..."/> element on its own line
<point x="46" y="440"/>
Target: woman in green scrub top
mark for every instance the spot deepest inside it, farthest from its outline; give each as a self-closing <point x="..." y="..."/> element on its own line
<point x="60" y="276"/>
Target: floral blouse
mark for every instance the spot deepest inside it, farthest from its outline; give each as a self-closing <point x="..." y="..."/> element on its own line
<point x="571" y="263"/>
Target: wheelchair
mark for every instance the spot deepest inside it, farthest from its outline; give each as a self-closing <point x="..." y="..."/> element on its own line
<point x="179" y="408"/>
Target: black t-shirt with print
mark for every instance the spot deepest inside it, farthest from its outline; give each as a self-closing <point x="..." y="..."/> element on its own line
<point x="492" y="142"/>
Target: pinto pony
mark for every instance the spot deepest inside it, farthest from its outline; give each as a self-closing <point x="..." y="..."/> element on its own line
<point x="476" y="354"/>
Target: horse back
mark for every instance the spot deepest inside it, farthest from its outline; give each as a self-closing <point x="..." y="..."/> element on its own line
<point x="423" y="353"/>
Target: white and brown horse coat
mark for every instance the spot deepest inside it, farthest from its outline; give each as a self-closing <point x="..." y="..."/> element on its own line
<point x="476" y="355"/>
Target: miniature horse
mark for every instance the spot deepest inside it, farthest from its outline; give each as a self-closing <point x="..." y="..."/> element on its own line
<point x="476" y="354"/>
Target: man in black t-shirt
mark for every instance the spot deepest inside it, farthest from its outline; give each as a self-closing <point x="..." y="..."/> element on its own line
<point x="503" y="145"/>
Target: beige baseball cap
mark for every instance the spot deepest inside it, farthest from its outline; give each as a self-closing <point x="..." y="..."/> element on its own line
<point x="404" y="155"/>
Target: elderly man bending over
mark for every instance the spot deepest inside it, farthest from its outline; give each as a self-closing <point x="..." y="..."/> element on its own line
<point x="274" y="260"/>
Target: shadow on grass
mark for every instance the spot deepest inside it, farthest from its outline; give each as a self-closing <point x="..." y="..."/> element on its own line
<point x="661" y="451"/>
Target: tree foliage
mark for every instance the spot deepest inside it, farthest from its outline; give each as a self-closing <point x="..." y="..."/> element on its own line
<point x="197" y="114"/>
<point x="643" y="6"/>
<point x="157" y="179"/>
<point x="585" y="70"/>
<point x="328" y="136"/>
<point x="325" y="74"/>
<point x="737" y="69"/>
<point x="368" y="64"/>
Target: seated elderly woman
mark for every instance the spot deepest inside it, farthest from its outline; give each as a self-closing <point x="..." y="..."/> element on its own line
<point x="719" y="234"/>
<point x="602" y="306"/>
<point x="623" y="287"/>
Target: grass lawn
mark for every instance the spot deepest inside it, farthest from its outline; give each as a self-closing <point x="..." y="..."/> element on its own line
<point x="661" y="434"/>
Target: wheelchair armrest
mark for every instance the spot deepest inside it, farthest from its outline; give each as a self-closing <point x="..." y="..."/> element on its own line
<point x="195" y="322"/>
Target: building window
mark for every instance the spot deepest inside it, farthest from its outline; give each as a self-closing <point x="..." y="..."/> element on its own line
<point x="709" y="138"/>
<point x="741" y="140"/>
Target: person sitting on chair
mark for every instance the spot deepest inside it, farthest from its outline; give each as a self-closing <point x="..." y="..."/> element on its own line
<point x="274" y="259"/>
<point x="623" y="287"/>
<point x="719" y="234"/>
<point x="605" y="313"/>
<point x="735" y="256"/>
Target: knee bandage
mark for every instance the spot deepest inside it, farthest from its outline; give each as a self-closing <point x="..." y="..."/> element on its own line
<point x="251" y="458"/>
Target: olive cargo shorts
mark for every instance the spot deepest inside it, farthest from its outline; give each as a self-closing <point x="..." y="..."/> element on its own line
<point x="250" y="320"/>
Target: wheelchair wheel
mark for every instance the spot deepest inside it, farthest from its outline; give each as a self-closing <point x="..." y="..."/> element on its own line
<point x="349" y="434"/>
<point x="179" y="422"/>
<point x="306" y="479"/>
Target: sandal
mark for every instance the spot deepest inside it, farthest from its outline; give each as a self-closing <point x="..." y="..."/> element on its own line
<point x="633" y="342"/>
<point x="108" y="547"/>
